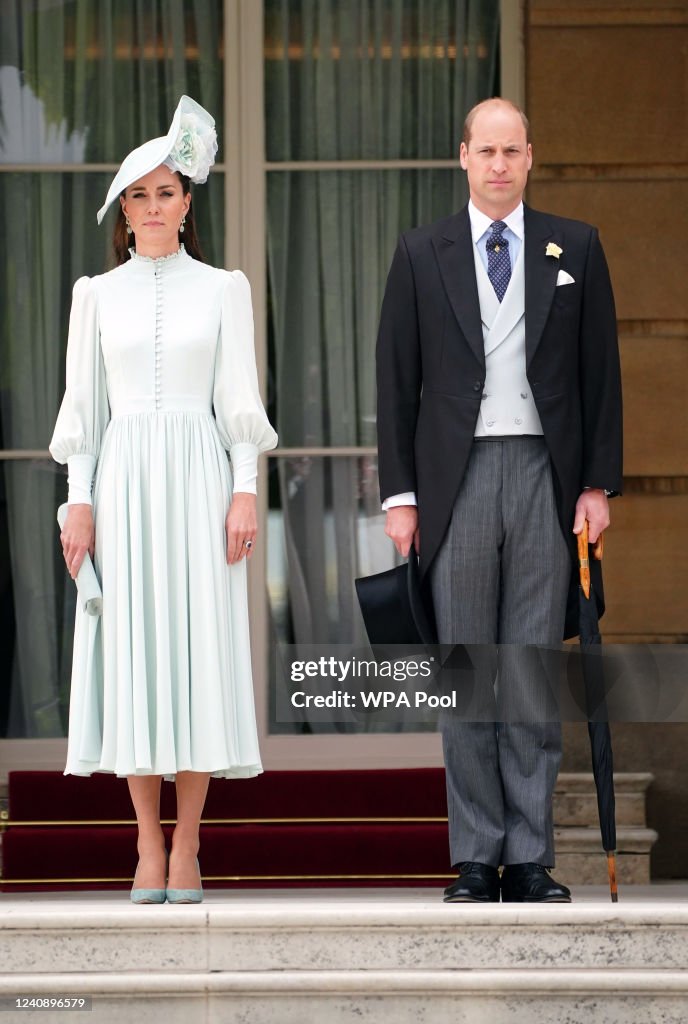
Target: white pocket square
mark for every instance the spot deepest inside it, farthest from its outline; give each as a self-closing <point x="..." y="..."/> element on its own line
<point x="564" y="278"/>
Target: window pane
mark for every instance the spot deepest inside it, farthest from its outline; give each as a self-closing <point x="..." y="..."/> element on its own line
<point x="325" y="528"/>
<point x="375" y="79"/>
<point x="37" y="603"/>
<point x="331" y="237"/>
<point x="87" y="81"/>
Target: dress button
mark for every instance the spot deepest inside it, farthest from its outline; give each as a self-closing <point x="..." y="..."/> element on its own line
<point x="485" y="394"/>
<point x="477" y="385"/>
<point x="524" y="394"/>
<point x="490" y="423"/>
<point x="518" y="420"/>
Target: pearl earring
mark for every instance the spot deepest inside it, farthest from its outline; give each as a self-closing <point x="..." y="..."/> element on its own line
<point x="128" y="224"/>
<point x="181" y="226"/>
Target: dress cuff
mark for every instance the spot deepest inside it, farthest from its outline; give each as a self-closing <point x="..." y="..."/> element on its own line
<point x="407" y="498"/>
<point x="244" y="456"/>
<point x="81" y="472"/>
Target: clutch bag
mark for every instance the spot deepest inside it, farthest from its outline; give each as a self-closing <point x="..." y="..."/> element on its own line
<point x="87" y="585"/>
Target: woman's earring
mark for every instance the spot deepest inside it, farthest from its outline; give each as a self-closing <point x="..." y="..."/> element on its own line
<point x="128" y="224"/>
<point x="181" y="226"/>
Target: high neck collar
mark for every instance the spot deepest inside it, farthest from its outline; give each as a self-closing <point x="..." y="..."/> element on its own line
<point x="181" y="251"/>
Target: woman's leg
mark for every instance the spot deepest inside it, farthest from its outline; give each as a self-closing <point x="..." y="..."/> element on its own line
<point x="145" y="796"/>
<point x="192" y="789"/>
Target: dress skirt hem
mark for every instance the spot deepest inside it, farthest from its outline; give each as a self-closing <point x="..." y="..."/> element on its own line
<point x="244" y="771"/>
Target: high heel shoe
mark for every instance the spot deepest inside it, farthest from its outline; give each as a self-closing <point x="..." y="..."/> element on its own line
<point x="186" y="895"/>
<point x="147" y="895"/>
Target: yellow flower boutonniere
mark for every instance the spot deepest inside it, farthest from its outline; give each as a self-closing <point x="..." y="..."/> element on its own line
<point x="553" y="250"/>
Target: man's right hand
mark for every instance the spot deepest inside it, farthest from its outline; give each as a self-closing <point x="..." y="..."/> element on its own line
<point x="402" y="526"/>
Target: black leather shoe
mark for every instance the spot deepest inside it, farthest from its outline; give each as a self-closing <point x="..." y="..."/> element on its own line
<point x="477" y="883"/>
<point x="531" y="883"/>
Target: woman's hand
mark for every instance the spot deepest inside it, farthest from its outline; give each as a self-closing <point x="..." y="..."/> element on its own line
<point x="242" y="527"/>
<point x="78" y="536"/>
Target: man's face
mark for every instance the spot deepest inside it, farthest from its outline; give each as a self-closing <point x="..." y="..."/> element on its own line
<point x="497" y="160"/>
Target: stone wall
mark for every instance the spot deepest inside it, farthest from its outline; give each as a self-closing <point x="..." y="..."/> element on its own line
<point x="607" y="95"/>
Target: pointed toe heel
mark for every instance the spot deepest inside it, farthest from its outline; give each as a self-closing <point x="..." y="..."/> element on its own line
<point x="186" y="895"/>
<point x="148" y="895"/>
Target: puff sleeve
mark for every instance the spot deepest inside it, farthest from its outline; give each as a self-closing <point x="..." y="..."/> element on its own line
<point x="243" y="425"/>
<point x="85" y="412"/>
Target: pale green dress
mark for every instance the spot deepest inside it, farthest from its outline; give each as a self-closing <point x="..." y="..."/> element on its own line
<point x="161" y="382"/>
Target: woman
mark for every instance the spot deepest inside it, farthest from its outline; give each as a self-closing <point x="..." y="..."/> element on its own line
<point x="161" y="379"/>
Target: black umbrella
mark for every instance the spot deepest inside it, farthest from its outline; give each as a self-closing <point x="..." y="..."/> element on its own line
<point x="596" y="706"/>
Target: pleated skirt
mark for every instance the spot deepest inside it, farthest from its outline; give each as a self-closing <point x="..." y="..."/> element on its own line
<point x="161" y="682"/>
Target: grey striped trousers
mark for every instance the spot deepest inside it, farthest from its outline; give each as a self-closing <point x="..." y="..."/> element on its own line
<point x="501" y="577"/>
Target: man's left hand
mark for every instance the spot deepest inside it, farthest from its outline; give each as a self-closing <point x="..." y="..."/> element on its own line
<point x="592" y="505"/>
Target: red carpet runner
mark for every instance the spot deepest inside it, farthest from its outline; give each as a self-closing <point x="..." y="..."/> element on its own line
<point x="320" y="828"/>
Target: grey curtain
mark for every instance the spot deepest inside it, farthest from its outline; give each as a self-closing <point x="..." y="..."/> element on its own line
<point x="351" y="80"/>
<point x="80" y="81"/>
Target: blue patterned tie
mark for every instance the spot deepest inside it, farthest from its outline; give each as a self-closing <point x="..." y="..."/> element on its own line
<point x="498" y="260"/>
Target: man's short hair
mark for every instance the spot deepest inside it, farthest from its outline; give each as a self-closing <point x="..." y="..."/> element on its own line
<point x="474" y="111"/>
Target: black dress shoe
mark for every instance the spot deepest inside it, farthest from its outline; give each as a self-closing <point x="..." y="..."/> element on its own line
<point x="530" y="883"/>
<point x="477" y="883"/>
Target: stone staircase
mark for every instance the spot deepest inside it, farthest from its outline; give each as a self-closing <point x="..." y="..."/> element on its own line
<point x="577" y="834"/>
<point x="345" y="956"/>
<point x="277" y="956"/>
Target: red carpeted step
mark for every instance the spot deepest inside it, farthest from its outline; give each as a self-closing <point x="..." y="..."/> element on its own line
<point x="236" y="856"/>
<point x="263" y="852"/>
<point x="407" y="792"/>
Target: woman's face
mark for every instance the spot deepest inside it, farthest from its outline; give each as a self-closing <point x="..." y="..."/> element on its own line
<point x="155" y="206"/>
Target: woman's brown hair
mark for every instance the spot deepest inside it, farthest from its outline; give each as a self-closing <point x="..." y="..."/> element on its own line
<point x="122" y="242"/>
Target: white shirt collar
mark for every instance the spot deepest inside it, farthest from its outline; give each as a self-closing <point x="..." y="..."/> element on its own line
<point x="481" y="223"/>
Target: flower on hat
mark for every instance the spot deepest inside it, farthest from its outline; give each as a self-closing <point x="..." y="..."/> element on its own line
<point x="193" y="153"/>
<point x="553" y="250"/>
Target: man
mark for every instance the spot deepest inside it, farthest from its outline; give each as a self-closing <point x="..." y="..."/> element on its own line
<point x="499" y="432"/>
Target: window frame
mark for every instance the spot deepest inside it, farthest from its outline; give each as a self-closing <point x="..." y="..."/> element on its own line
<point x="246" y="170"/>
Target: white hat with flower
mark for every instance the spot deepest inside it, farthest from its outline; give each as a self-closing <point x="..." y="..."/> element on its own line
<point x="189" y="147"/>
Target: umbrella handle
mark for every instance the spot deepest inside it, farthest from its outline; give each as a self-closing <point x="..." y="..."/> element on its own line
<point x="584" y="556"/>
<point x="583" y="560"/>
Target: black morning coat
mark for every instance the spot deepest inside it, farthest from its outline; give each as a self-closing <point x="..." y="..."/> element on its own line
<point x="431" y="371"/>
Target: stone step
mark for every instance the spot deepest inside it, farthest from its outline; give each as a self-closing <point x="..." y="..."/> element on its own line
<point x="575" y="800"/>
<point x="381" y="932"/>
<point x="581" y="860"/>
<point x="378" y="997"/>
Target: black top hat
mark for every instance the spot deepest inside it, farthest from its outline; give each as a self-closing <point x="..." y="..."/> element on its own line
<point x="394" y="607"/>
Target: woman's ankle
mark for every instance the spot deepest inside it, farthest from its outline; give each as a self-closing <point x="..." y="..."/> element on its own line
<point x="151" y="844"/>
<point x="185" y="844"/>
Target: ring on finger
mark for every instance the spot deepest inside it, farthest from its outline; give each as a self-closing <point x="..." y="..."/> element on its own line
<point x="248" y="544"/>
